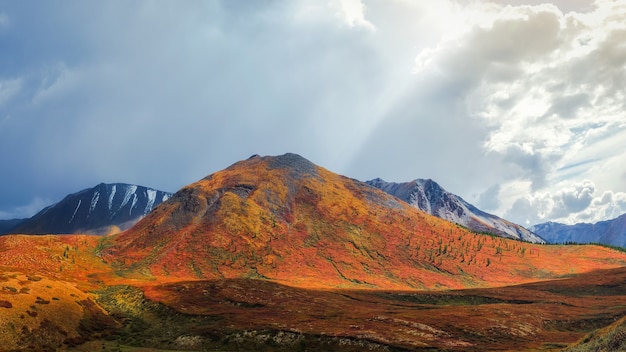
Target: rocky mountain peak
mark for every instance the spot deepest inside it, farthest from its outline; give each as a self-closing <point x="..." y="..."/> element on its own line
<point x="428" y="196"/>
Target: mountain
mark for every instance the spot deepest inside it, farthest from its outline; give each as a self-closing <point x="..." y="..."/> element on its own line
<point x="281" y="218"/>
<point x="288" y="220"/>
<point x="428" y="196"/>
<point x="99" y="210"/>
<point x="611" y="232"/>
<point x="7" y="225"/>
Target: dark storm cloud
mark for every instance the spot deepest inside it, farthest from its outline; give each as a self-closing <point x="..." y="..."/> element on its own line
<point x="163" y="94"/>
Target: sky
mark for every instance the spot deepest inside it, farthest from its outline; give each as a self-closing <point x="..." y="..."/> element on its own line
<point x="517" y="106"/>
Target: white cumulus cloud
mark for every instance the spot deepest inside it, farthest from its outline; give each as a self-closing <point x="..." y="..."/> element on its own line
<point x="353" y="13"/>
<point x="549" y="88"/>
<point x="576" y="203"/>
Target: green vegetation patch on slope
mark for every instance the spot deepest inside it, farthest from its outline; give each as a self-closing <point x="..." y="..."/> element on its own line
<point x="611" y="338"/>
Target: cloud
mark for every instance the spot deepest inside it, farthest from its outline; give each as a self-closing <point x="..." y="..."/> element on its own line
<point x="545" y="85"/>
<point x="4" y="20"/>
<point x="164" y="95"/>
<point x="9" y="89"/>
<point x="576" y="203"/>
<point x="533" y="75"/>
<point x="26" y="211"/>
<point x="510" y="96"/>
<point x="471" y="94"/>
<point x="573" y="200"/>
<point x="568" y="105"/>
<point x="57" y="82"/>
<point x="530" y="210"/>
<point x="353" y="12"/>
<point x="489" y="199"/>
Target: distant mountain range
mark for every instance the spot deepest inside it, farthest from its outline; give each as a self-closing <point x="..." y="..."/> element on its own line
<point x="428" y="196"/>
<point x="612" y="232"/>
<point x="7" y="225"/>
<point x="103" y="209"/>
<point x="110" y="208"/>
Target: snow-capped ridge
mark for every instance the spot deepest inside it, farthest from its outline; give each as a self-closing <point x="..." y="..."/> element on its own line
<point x="428" y="196"/>
<point x="122" y="206"/>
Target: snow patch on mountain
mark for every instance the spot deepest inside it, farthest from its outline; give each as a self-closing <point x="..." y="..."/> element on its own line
<point x="75" y="210"/>
<point x="130" y="191"/>
<point x="112" y="195"/>
<point x="151" y="199"/>
<point x="94" y="201"/>
<point x="134" y="202"/>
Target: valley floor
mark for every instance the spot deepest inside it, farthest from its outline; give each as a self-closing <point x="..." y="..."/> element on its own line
<point x="242" y="315"/>
<point x="64" y="296"/>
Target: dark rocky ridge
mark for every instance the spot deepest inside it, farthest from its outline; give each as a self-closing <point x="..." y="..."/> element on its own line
<point x="7" y="225"/>
<point x="95" y="210"/>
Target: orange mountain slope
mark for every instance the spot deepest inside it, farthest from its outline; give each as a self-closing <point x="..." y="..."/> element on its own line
<point x="287" y="220"/>
<point x="61" y="257"/>
<point x="44" y="282"/>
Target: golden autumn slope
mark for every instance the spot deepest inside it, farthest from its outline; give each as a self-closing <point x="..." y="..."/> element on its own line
<point x="44" y="292"/>
<point x="287" y="220"/>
